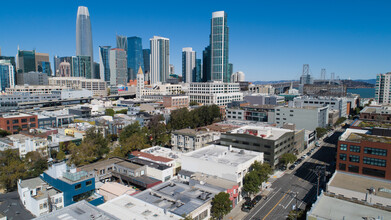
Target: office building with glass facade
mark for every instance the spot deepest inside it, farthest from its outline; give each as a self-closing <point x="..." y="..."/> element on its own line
<point x="104" y="55"/>
<point x="84" y="35"/>
<point x="206" y="75"/>
<point x="7" y="75"/>
<point x="81" y="67"/>
<point x="25" y="60"/>
<point x="147" y="60"/>
<point x="188" y="64"/>
<point x="118" y="67"/>
<point x="198" y="71"/>
<point x="219" y="47"/>
<point x="135" y="56"/>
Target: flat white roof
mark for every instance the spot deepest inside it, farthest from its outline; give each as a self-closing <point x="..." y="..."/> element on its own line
<point x="265" y="132"/>
<point x="127" y="207"/>
<point x="222" y="155"/>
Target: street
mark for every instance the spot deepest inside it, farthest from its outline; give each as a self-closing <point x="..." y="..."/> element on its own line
<point x="297" y="187"/>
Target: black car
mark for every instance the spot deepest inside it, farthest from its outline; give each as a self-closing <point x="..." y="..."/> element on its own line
<point x="292" y="167"/>
<point x="299" y="160"/>
<point x="256" y="200"/>
<point x="247" y="206"/>
<point x="309" y="154"/>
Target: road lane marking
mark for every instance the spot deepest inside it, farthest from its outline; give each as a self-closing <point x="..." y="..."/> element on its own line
<point x="276" y="205"/>
<point x="265" y="203"/>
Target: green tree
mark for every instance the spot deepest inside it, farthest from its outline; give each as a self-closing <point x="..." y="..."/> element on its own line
<point x="340" y="120"/>
<point x="12" y="168"/>
<point x="36" y="164"/>
<point x="128" y="131"/>
<point x="4" y="133"/>
<point x="320" y="132"/>
<point x="61" y="155"/>
<point x="193" y="103"/>
<point x="157" y="131"/>
<point x="109" y="112"/>
<point x="123" y="111"/>
<point x="221" y="205"/>
<point x="132" y="143"/>
<point x="263" y="170"/>
<point x="287" y="158"/>
<point x="251" y="182"/>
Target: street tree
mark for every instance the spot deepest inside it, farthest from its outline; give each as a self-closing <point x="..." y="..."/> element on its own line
<point x="251" y="183"/>
<point x="287" y="158"/>
<point x="135" y="142"/>
<point x="221" y="205"/>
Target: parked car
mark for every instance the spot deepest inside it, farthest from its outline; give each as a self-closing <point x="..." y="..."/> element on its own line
<point x="299" y="160"/>
<point x="247" y="206"/>
<point x="309" y="154"/>
<point x="292" y="167"/>
<point x="303" y="157"/>
<point x="256" y="199"/>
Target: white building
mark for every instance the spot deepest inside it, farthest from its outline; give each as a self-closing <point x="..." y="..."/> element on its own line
<point x="334" y="103"/>
<point x="140" y="83"/>
<point x="35" y="194"/>
<point x="308" y="118"/>
<point x="225" y="162"/>
<point x="383" y="86"/>
<point x="265" y="89"/>
<point x="188" y="64"/>
<point x="7" y="75"/>
<point x="73" y="93"/>
<point x="237" y="77"/>
<point x="34" y="89"/>
<point x="161" y="89"/>
<point x="97" y="86"/>
<point x="218" y="93"/>
<point x="160" y="59"/>
<point x="118" y="67"/>
<point x="27" y="143"/>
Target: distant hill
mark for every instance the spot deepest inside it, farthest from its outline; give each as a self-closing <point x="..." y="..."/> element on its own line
<point x="358" y="83"/>
<point x="271" y="82"/>
<point x="370" y="81"/>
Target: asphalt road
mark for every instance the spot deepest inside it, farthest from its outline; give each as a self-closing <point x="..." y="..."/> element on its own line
<point x="299" y="187"/>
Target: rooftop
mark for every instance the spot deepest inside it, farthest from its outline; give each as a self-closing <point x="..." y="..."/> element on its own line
<point x="190" y="132"/>
<point x="45" y="189"/>
<point x="358" y="135"/>
<point x="163" y="152"/>
<point x="222" y="155"/>
<point x="270" y="133"/>
<point x="128" y="164"/>
<point x="79" y="211"/>
<point x="16" y="115"/>
<point x="360" y="183"/>
<point x="12" y="207"/>
<point x="177" y="197"/>
<point x="127" y="207"/>
<point x="213" y="180"/>
<point x="149" y="163"/>
<point x="151" y="156"/>
<point x="100" y="164"/>
<point x="332" y="208"/>
<point x="117" y="189"/>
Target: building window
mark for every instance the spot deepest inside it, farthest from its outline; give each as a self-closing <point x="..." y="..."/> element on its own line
<point x="342" y="166"/>
<point x="342" y="157"/>
<point x="343" y="147"/>
<point x="78" y="186"/>
<point x="355" y="148"/>
<point x="354" y="158"/>
<point x="89" y="183"/>
<point x="374" y="161"/>
<point x="375" y="151"/>
<point x="354" y="169"/>
<point x="24" y="120"/>
<point x="16" y="121"/>
<point x="373" y="172"/>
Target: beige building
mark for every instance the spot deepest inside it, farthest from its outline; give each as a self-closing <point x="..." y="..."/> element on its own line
<point x="173" y="101"/>
<point x="97" y="86"/>
<point x="186" y="140"/>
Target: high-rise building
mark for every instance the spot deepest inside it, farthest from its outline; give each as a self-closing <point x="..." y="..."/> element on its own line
<point x="84" y="35"/>
<point x="7" y="75"/>
<point x="25" y="61"/>
<point x="64" y="69"/>
<point x="230" y="69"/>
<point x="188" y="64"/>
<point x="160" y="59"/>
<point x="11" y="60"/>
<point x="197" y="76"/>
<point x="96" y="71"/>
<point x="118" y="67"/>
<point x="122" y="42"/>
<point x="383" y="86"/>
<point x="140" y="83"/>
<point x="104" y="57"/>
<point x="172" y="70"/>
<point x="135" y="56"/>
<point x="147" y="60"/>
<point x="81" y="66"/>
<point x="31" y="61"/>
<point x="206" y="75"/>
<point x="219" y="47"/>
<point x="58" y="60"/>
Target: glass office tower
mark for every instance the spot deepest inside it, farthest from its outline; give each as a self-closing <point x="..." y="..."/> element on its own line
<point x="147" y="60"/>
<point x="219" y="47"/>
<point x="84" y="35"/>
<point x="198" y="71"/>
<point x="160" y="59"/>
<point x="206" y="74"/>
<point x="104" y="54"/>
<point x="135" y="57"/>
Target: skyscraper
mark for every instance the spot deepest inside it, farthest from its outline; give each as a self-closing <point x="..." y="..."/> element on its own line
<point x="188" y="64"/>
<point x="160" y="59"/>
<point x="122" y="42"/>
<point x="118" y="67"/>
<point x="7" y="75"/>
<point x="206" y="75"/>
<point x="81" y="66"/>
<point x="42" y="63"/>
<point x="219" y="47"/>
<point x="383" y="88"/>
<point x="135" y="56"/>
<point x="147" y="60"/>
<point x="104" y="55"/>
<point x="32" y="61"/>
<point x="198" y="71"/>
<point x="84" y="35"/>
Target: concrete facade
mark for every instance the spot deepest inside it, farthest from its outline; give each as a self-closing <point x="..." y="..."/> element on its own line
<point x="308" y="118"/>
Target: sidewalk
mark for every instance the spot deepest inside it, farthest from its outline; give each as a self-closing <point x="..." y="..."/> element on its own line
<point x="237" y="213"/>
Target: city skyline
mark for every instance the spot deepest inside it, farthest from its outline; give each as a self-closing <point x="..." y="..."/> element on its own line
<point x="350" y="40"/>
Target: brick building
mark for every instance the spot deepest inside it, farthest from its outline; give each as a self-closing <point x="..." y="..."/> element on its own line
<point x="176" y="101"/>
<point x="360" y="152"/>
<point x="18" y="121"/>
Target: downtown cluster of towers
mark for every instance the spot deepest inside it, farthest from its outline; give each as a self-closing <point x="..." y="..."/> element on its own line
<point x="121" y="64"/>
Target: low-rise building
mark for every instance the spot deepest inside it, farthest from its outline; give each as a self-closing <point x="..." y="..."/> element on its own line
<point x="264" y="99"/>
<point x="128" y="207"/>
<point x="334" y="103"/>
<point x="256" y="113"/>
<point x="34" y="89"/>
<point x="26" y="143"/>
<point x="97" y="86"/>
<point x="15" y="122"/>
<point x="376" y="113"/>
<point x="224" y="162"/>
<point x="166" y="153"/>
<point x="324" y="90"/>
<point x="18" y="100"/>
<point x="218" y="93"/>
<point x="333" y="117"/>
<point x="176" y="101"/>
<point x="112" y="190"/>
<point x="38" y="197"/>
<point x="155" y="170"/>
<point x="264" y="89"/>
<point x="272" y="142"/>
<point x="186" y="140"/>
<point x="308" y="118"/>
<point x="360" y="152"/>
<point x="181" y="199"/>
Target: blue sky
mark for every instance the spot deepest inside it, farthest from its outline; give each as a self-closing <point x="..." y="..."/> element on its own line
<point x="269" y="40"/>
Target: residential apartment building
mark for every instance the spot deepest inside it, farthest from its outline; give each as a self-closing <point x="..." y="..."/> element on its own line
<point x="257" y="113"/>
<point x="160" y="59"/>
<point x="218" y="93"/>
<point x="383" y="86"/>
<point x="15" y="122"/>
<point x="186" y="140"/>
<point x="38" y="197"/>
<point x="29" y="143"/>
<point x="360" y="152"/>
<point x="272" y="142"/>
<point x="308" y="118"/>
